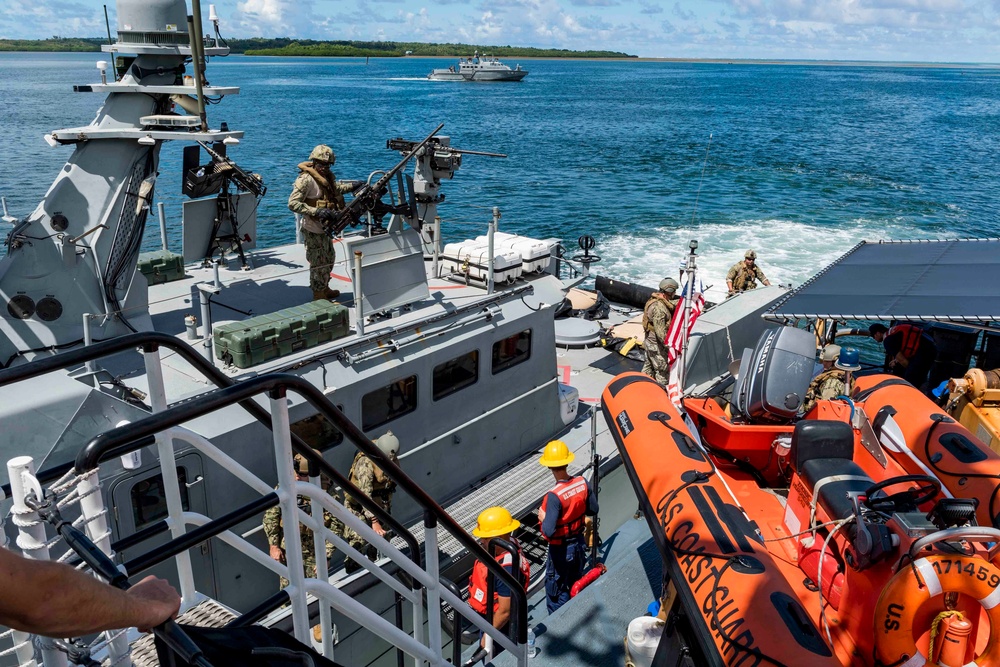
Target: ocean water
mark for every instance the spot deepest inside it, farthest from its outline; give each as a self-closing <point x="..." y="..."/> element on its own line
<point x="798" y="162"/>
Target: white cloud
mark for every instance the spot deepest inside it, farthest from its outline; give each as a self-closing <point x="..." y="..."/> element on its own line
<point x="955" y="30"/>
<point x="33" y="19"/>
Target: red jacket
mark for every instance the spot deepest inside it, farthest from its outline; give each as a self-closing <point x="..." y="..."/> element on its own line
<point x="477" y="582"/>
<point x="910" y="338"/>
<point x="572" y="494"/>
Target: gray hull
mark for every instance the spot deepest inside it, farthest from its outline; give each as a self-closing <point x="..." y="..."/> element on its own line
<point x="445" y="75"/>
<point x="486" y="75"/>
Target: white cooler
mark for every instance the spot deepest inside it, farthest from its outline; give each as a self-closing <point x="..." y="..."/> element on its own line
<point x="535" y="254"/>
<point x="506" y="263"/>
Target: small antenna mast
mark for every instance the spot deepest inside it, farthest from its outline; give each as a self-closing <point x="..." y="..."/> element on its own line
<point x="702" y="179"/>
<point x="111" y="43"/>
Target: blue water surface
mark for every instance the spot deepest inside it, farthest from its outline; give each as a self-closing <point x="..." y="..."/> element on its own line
<point x="802" y="161"/>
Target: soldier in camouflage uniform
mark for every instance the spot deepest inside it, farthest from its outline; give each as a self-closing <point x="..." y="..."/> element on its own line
<point x="374" y="483"/>
<point x="656" y="317"/>
<point x="274" y="527"/>
<point x="833" y="382"/>
<point x="744" y="275"/>
<point x="315" y="196"/>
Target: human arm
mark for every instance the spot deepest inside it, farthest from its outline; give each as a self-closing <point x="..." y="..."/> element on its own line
<point x="761" y="277"/>
<point x="297" y="200"/>
<point x="893" y="344"/>
<point x="660" y="319"/>
<point x="501" y="615"/>
<point x="345" y="187"/>
<point x="730" y="277"/>
<point x="57" y="601"/>
<point x="273" y="532"/>
<point x="549" y="516"/>
<point x="364" y="479"/>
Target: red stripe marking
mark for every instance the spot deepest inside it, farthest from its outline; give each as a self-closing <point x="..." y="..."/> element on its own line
<point x="564" y="370"/>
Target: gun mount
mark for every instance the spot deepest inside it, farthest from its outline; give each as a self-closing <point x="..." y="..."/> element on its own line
<point x="215" y="178"/>
<point x="417" y="196"/>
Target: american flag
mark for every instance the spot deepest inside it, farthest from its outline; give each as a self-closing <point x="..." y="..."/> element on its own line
<point x="675" y="334"/>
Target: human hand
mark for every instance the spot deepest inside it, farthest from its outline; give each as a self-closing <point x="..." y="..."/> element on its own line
<point x="276" y="554"/>
<point x="377" y="527"/>
<point x="156" y="602"/>
<point x="325" y="214"/>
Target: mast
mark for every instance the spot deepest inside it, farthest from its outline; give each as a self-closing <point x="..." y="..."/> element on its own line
<point x="76" y="253"/>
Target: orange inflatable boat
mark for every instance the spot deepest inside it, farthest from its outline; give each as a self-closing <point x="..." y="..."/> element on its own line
<point x="859" y="534"/>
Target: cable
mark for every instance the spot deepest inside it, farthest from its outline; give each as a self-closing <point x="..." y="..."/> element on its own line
<point x="819" y="579"/>
<point x="804" y="532"/>
<point x="663" y="506"/>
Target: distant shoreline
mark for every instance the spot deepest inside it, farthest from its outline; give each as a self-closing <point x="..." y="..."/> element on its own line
<point x="747" y="61"/>
<point x="624" y="58"/>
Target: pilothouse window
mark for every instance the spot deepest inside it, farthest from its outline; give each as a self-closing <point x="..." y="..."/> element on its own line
<point x="149" y="499"/>
<point x="318" y="432"/>
<point x="459" y="373"/>
<point x="390" y="402"/>
<point x="511" y="351"/>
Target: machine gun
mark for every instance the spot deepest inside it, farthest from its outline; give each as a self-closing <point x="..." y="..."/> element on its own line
<point x="216" y="177"/>
<point x="245" y="181"/>
<point x="369" y="198"/>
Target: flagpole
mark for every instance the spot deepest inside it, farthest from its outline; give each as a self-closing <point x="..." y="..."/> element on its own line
<point x="691" y="270"/>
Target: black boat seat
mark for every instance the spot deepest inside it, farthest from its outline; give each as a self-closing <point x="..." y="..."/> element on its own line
<point x="831" y="480"/>
<point x="822" y="453"/>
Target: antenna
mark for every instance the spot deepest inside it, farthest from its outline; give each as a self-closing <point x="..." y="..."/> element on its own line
<point x="702" y="179"/>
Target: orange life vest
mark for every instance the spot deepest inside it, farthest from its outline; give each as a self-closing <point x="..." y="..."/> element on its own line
<point x="910" y="338"/>
<point x="477" y="582"/>
<point x="572" y="494"/>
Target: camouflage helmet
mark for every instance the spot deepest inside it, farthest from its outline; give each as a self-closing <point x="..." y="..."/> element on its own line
<point x="323" y="153"/>
<point x="830" y="353"/>
<point x="750" y="254"/>
<point x="668" y="285"/>
<point x="300" y="464"/>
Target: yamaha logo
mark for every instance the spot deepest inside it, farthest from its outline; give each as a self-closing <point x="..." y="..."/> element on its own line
<point x="763" y="352"/>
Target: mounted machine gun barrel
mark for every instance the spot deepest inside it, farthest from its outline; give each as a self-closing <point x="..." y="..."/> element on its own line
<point x="367" y="198"/>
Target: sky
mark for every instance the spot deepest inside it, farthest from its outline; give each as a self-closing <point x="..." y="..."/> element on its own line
<point x="884" y="30"/>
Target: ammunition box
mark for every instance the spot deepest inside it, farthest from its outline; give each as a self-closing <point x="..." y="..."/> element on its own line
<point x="161" y="266"/>
<point x="280" y="333"/>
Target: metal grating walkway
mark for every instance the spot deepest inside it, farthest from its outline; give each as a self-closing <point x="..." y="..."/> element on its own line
<point x="521" y="487"/>
<point x="206" y="614"/>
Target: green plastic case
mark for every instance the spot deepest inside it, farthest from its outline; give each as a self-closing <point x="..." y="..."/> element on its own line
<point x="161" y="266"/>
<point x="258" y="339"/>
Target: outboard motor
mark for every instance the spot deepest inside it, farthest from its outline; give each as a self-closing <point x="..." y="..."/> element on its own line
<point x="774" y="376"/>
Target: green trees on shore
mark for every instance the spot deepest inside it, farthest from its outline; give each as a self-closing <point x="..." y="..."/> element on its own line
<point x="53" y="44"/>
<point x="285" y="46"/>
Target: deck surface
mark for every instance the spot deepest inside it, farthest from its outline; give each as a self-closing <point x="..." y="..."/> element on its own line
<point x="590" y="628"/>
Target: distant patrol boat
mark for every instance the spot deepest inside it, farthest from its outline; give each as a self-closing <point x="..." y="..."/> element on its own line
<point x="476" y="68"/>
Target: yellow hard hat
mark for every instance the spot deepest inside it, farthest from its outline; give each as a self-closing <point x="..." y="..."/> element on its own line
<point x="494" y="521"/>
<point x="556" y="455"/>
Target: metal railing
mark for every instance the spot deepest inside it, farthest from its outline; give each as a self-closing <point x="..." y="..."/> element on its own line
<point x="164" y="427"/>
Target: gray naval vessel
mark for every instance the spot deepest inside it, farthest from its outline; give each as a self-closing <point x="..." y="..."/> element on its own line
<point x="155" y="399"/>
<point x="478" y="68"/>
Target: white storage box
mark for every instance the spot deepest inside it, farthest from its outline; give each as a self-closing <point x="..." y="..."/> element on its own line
<point x="535" y="255"/>
<point x="569" y="403"/>
<point x="472" y="257"/>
